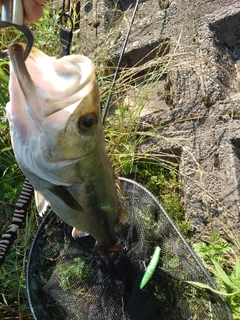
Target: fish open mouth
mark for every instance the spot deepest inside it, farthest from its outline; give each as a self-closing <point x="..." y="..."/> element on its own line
<point x="56" y="84"/>
<point x="54" y="106"/>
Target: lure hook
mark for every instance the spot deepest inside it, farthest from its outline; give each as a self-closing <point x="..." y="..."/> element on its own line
<point x="13" y="16"/>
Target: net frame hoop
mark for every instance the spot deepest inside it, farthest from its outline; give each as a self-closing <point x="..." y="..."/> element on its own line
<point x="47" y="218"/>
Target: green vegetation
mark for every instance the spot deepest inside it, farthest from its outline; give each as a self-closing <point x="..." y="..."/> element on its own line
<point x="224" y="266"/>
<point x="215" y="249"/>
<point x="229" y="286"/>
<point x="69" y="272"/>
<point x="127" y="143"/>
<point x="13" y="297"/>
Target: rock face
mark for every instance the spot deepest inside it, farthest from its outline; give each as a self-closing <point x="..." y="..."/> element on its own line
<point x="197" y="98"/>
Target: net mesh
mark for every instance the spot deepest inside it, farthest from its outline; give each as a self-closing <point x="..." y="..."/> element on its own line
<point x="64" y="280"/>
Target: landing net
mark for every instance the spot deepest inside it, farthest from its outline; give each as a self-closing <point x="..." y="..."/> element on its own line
<point x="64" y="280"/>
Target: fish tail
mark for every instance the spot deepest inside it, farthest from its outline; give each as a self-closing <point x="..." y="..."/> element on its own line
<point x="112" y="251"/>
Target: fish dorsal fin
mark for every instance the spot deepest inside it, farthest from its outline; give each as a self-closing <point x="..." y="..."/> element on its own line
<point x="41" y="203"/>
<point x="118" y="187"/>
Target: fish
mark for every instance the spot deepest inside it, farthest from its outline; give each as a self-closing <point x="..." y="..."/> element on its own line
<point x="59" y="144"/>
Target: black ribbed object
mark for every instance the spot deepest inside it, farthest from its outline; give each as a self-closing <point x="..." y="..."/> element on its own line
<point x="18" y="220"/>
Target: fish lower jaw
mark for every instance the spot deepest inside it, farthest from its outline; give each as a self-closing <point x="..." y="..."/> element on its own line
<point x="111" y="251"/>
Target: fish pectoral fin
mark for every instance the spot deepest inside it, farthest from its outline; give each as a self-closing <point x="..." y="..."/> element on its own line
<point x="122" y="217"/>
<point x="78" y="233"/>
<point x="41" y="203"/>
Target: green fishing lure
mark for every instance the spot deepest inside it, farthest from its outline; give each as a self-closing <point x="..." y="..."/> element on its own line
<point x="151" y="267"/>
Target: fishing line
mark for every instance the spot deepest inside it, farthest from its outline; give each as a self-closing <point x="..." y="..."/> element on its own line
<point x="119" y="62"/>
<point x="26" y="195"/>
<point x="66" y="33"/>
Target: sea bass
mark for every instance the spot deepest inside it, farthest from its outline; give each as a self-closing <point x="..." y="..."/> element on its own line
<point x="58" y="141"/>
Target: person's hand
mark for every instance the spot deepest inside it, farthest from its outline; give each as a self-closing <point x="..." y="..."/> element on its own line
<point x="32" y="9"/>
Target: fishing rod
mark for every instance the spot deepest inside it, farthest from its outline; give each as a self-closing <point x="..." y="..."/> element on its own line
<point x="119" y="63"/>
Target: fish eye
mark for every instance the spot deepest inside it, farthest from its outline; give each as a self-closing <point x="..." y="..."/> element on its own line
<point x="87" y="122"/>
